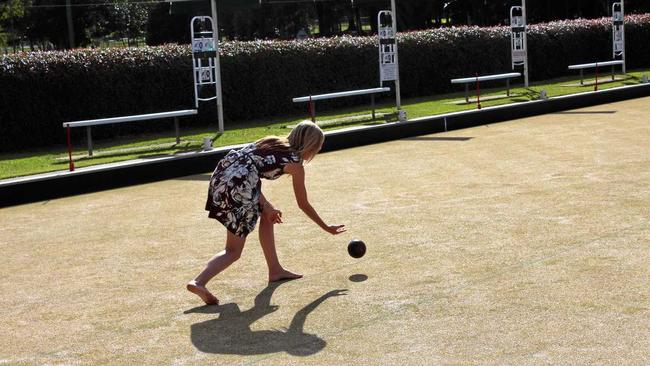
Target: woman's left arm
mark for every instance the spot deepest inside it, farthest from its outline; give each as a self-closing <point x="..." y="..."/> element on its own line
<point x="264" y="203"/>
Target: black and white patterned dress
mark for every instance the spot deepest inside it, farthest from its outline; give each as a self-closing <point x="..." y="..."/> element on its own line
<point x="234" y="193"/>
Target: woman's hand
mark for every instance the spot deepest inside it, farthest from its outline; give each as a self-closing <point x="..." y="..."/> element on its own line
<point x="335" y="229"/>
<point x="270" y="214"/>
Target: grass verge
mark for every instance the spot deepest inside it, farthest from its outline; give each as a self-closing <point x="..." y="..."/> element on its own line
<point x="146" y="146"/>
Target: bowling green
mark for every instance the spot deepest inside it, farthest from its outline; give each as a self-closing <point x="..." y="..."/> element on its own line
<point x="521" y="243"/>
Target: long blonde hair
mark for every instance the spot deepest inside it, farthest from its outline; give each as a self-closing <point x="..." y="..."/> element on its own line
<point x="305" y="137"/>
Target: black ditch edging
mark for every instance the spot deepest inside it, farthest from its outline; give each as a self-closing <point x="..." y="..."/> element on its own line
<point x="73" y="184"/>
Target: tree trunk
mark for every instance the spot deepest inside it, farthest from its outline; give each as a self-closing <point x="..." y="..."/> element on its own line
<point x="352" y="24"/>
<point x="357" y="17"/>
<point x="324" y="19"/>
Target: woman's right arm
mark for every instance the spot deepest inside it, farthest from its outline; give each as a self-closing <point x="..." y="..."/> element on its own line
<point x="297" y="172"/>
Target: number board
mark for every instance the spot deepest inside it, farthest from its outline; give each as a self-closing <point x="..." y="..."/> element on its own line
<point x="203" y="45"/>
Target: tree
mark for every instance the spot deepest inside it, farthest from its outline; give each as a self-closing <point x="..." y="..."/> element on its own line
<point x="11" y="13"/>
<point x="128" y="20"/>
<point x="45" y="21"/>
<point x="266" y="21"/>
<point x="637" y="6"/>
<point x="167" y="25"/>
<point x="415" y="14"/>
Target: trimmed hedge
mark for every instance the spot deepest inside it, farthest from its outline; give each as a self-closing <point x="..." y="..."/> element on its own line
<point x="39" y="91"/>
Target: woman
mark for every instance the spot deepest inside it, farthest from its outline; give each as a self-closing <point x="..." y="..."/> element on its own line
<point x="236" y="200"/>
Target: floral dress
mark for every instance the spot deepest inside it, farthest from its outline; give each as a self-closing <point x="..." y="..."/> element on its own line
<point x="234" y="193"/>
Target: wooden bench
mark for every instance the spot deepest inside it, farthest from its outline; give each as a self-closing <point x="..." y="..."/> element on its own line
<point x="312" y="98"/>
<point x="596" y="65"/>
<point x="477" y="79"/>
<point x="140" y="117"/>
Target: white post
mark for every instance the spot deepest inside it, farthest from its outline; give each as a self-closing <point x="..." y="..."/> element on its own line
<point x="523" y="11"/>
<point x="618" y="31"/>
<point x="623" y="30"/>
<point x="386" y="42"/>
<point x="397" y="90"/>
<point x="518" y="40"/>
<point x="381" y="79"/>
<point x="215" y="35"/>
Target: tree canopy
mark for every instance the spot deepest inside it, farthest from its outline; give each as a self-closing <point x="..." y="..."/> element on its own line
<point x="45" y="22"/>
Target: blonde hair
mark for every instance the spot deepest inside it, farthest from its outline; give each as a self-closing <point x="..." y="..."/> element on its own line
<point x="306" y="137"/>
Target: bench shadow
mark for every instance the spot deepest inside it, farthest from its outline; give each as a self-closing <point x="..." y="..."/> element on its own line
<point x="231" y="332"/>
<point x="430" y="138"/>
<point x="143" y="152"/>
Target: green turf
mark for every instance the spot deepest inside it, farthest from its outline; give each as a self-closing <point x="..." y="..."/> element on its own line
<point x="123" y="148"/>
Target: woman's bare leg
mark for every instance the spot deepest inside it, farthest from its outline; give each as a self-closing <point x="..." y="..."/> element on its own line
<point x="221" y="261"/>
<point x="267" y="240"/>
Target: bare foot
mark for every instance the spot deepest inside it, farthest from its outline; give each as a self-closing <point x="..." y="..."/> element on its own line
<point x="283" y="275"/>
<point x="202" y="292"/>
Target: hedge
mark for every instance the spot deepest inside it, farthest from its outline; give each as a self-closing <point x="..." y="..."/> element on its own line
<point x="40" y="90"/>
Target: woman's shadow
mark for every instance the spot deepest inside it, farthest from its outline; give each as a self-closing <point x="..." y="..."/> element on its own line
<point x="230" y="333"/>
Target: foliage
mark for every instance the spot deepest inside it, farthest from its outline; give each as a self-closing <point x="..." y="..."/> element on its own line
<point x="39" y="91"/>
<point x="11" y="12"/>
<point x="128" y="19"/>
<point x="163" y="27"/>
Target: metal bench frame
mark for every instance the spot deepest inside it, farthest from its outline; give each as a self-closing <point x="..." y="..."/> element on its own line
<point x="312" y="98"/>
<point x="478" y="79"/>
<point x="596" y="65"/>
<point x="140" y="117"/>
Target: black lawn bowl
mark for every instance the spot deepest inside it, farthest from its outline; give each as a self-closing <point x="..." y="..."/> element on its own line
<point x="356" y="248"/>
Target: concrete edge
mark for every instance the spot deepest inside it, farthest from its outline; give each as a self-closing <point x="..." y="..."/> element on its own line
<point x="102" y="177"/>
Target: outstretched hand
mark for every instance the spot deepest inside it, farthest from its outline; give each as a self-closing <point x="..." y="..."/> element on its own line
<point x="335" y="229"/>
<point x="341" y="292"/>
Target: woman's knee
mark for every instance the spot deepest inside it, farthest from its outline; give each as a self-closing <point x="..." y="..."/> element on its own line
<point x="234" y="253"/>
<point x="234" y="246"/>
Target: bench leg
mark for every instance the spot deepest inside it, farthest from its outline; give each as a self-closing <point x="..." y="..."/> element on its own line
<point x="466" y="92"/>
<point x="70" y="150"/>
<point x="312" y="111"/>
<point x="90" y="141"/>
<point x="582" y="78"/>
<point x="372" y="104"/>
<point x="478" y="93"/>
<point x="178" y="136"/>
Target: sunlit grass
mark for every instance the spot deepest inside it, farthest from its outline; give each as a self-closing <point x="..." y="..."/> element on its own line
<point x="152" y="145"/>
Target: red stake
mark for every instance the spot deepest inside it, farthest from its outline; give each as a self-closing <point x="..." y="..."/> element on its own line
<point x="311" y="110"/>
<point x="478" y="91"/>
<point x="70" y="151"/>
<point x="596" y="86"/>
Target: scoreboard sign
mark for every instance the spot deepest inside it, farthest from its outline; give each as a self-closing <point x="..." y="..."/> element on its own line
<point x="387" y="47"/>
